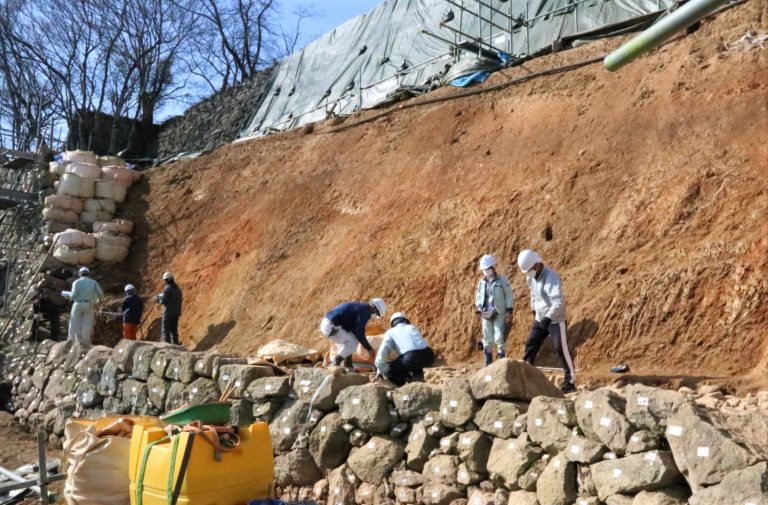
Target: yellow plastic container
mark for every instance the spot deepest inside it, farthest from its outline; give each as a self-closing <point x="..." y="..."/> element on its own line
<point x="234" y="479"/>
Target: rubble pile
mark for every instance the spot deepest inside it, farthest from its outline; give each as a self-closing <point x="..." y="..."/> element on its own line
<point x="502" y="435"/>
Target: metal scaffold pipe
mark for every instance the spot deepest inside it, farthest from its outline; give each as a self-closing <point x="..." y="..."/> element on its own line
<point x="685" y="16"/>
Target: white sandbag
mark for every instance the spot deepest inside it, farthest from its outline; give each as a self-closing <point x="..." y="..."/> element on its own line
<point x="84" y="170"/>
<point x="80" y="157"/>
<point x="54" y="227"/>
<point x="87" y="187"/>
<point x="69" y="185"/>
<point x="64" y="202"/>
<point x="120" y="175"/>
<point x="115" y="226"/>
<point x="89" y="216"/>
<point x="104" y="215"/>
<point x="100" y="205"/>
<point x="58" y="167"/>
<point x="106" y="161"/>
<point x="75" y="239"/>
<point x="111" y="253"/>
<point x="70" y="256"/>
<point x="112" y="239"/>
<point x="60" y="215"/>
<point x="111" y="190"/>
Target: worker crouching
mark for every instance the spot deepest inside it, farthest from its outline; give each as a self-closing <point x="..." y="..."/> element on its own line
<point x="345" y="326"/>
<point x="413" y="353"/>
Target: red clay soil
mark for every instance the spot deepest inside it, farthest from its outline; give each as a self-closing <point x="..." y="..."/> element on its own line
<point x="645" y="189"/>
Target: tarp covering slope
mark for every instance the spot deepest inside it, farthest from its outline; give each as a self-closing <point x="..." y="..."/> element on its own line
<point x="363" y="62"/>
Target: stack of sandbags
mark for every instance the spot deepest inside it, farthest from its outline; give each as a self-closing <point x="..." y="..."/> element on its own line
<point x="122" y="226"/>
<point x="74" y="247"/>
<point x="120" y="175"/>
<point x="98" y="209"/>
<point x="112" y="247"/>
<point x="62" y="209"/>
<point x="58" y="168"/>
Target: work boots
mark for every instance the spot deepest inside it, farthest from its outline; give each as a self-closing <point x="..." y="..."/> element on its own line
<point x="348" y="366"/>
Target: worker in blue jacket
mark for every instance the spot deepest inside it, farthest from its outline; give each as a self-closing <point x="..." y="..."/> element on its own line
<point x="345" y="325"/>
<point x="133" y="308"/>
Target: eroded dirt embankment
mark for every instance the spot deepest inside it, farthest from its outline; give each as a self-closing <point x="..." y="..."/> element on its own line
<point x="645" y="189"/>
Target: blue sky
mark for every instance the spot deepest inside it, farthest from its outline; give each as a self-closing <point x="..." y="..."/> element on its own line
<point x="331" y="13"/>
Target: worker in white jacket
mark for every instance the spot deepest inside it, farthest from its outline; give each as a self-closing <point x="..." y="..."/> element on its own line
<point x="413" y="353"/>
<point x="494" y="303"/>
<point x="548" y="307"/>
<point x="85" y="293"/>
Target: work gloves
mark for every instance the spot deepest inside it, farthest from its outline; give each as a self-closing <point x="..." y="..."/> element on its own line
<point x="545" y="322"/>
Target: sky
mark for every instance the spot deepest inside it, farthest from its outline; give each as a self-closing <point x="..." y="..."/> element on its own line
<point x="330" y="13"/>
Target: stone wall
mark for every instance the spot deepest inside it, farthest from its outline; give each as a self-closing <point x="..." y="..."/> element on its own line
<point x="215" y="121"/>
<point x="503" y="435"/>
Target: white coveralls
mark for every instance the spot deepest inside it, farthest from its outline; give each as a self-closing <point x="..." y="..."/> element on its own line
<point x="345" y="341"/>
<point x="85" y="293"/>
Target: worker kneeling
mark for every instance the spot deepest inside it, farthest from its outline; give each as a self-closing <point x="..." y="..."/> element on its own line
<point x="413" y="353"/>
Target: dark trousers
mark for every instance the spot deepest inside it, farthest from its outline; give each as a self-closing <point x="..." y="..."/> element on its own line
<point x="170" y="329"/>
<point x="536" y="338"/>
<point x="409" y="366"/>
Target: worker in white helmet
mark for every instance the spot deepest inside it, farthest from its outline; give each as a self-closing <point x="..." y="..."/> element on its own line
<point x="171" y="300"/>
<point x="345" y="326"/>
<point x="548" y="307"/>
<point x="86" y="292"/>
<point x="494" y="302"/>
<point x="413" y="353"/>
<point x="133" y="308"/>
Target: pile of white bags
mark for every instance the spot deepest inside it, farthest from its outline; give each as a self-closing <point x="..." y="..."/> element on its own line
<point x="62" y="209"/>
<point x="74" y="247"/>
<point x="112" y="247"/>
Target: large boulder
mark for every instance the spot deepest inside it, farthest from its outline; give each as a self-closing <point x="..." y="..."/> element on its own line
<point x="521" y="497"/>
<point x="638" y="472"/>
<point x="111" y="377"/>
<point x="649" y="408"/>
<point x="296" y="468"/>
<point x="601" y="417"/>
<point x="176" y="396"/>
<point x="550" y="422"/>
<point x="512" y="380"/>
<point x="58" y="353"/>
<point x="497" y="417"/>
<point x="416" y="399"/>
<point x="124" y="351"/>
<point x="584" y="450"/>
<point x="457" y="406"/>
<point x="704" y="454"/>
<point x="669" y="496"/>
<point x="135" y="394"/>
<point x="203" y="390"/>
<point x="237" y="378"/>
<point x="557" y="483"/>
<point x="474" y="448"/>
<point x="341" y="491"/>
<point x="142" y="361"/>
<point x="329" y="442"/>
<point x="407" y="478"/>
<point x="436" y="493"/>
<point x="375" y="460"/>
<point x="268" y="388"/>
<point x="181" y="367"/>
<point x="76" y="352"/>
<point x="157" y="391"/>
<point x="442" y="468"/>
<point x="747" y="428"/>
<point x="510" y="459"/>
<point x="89" y="368"/>
<point x="240" y="413"/>
<point x="287" y="424"/>
<point x="748" y="486"/>
<point x="366" y="407"/>
<point x="420" y="446"/>
<point x="323" y="385"/>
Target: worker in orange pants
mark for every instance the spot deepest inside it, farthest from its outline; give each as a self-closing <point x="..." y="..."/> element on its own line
<point x="133" y="308"/>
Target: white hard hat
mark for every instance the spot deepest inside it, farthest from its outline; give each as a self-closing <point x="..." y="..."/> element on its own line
<point x="167" y="275"/>
<point x="130" y="287"/>
<point x="84" y="271"/>
<point x="526" y="259"/>
<point x="396" y="316"/>
<point x="381" y="307"/>
<point x="487" y="262"/>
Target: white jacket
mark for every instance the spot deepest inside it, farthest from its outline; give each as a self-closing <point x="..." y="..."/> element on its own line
<point x="547" y="297"/>
<point x="400" y="339"/>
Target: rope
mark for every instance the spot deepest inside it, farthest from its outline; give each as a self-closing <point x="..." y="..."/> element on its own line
<point x="143" y="469"/>
<point x="172" y="468"/>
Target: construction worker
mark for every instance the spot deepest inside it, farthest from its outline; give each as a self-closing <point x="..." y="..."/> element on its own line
<point x="345" y="325"/>
<point x="45" y="309"/>
<point x="171" y="300"/>
<point x="494" y="302"/>
<point x="85" y="293"/>
<point x="413" y="353"/>
<point x="133" y="308"/>
<point x="548" y="307"/>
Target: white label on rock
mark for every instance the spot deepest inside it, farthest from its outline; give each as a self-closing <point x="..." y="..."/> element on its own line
<point x="268" y="387"/>
<point x="511" y="445"/>
<point x="651" y="456"/>
<point x="305" y="389"/>
<point x="435" y="494"/>
<point x="437" y="469"/>
<point x="642" y="401"/>
<point x="538" y="421"/>
<point x="337" y="491"/>
<point x="517" y="424"/>
<point x="560" y="412"/>
<point x="286" y="430"/>
<point x="557" y="463"/>
<point x="588" y="404"/>
<point x="498" y="424"/>
<point x="488" y="378"/>
<point x="634" y="438"/>
<point x="466" y="441"/>
<point x="445" y="411"/>
<point x="444" y="442"/>
<point x="305" y="382"/>
<point x="133" y="389"/>
<point x="194" y="390"/>
<point x="575" y="449"/>
<point x="617" y="472"/>
<point x="120" y="351"/>
<point x="225" y="377"/>
<point x="604" y="421"/>
<point x="371" y="445"/>
<point x="322" y="429"/>
<point x="355" y="401"/>
<point x="675" y="431"/>
<point x="453" y="404"/>
<point x="702" y="452"/>
<point x="406" y="398"/>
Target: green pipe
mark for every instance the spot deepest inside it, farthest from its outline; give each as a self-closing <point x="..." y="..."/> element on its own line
<point x="682" y="18"/>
